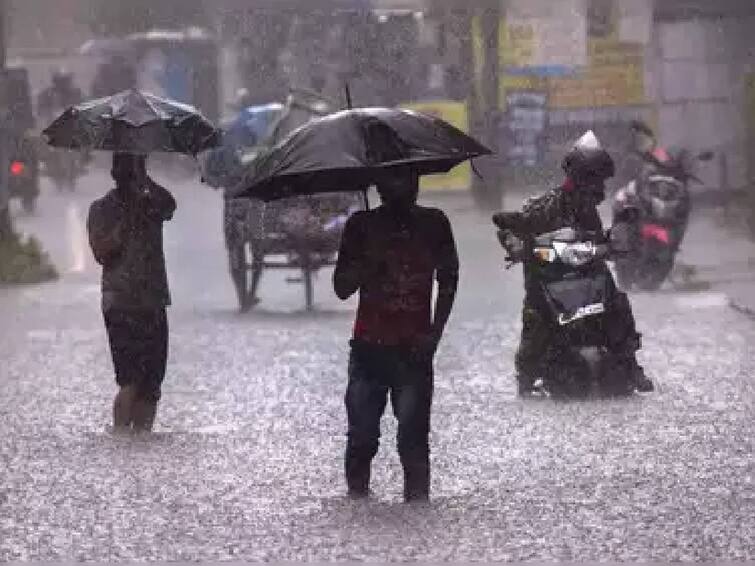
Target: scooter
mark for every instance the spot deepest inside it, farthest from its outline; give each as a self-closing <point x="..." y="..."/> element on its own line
<point x="651" y="213"/>
<point x="575" y="286"/>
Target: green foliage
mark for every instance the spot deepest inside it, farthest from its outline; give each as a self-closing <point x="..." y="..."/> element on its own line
<point x="24" y="262"/>
<point x="119" y="18"/>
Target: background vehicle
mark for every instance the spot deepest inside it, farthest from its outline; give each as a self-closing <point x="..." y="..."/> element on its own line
<point x="182" y="65"/>
<point x="574" y="286"/>
<point x="178" y="64"/>
<point x="244" y="135"/>
<point x="16" y="113"/>
<point x="322" y="44"/>
<point x="651" y="214"/>
<point x="23" y="171"/>
<point x="300" y="233"/>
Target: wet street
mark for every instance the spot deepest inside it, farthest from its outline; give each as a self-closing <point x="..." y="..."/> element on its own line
<point x="245" y="461"/>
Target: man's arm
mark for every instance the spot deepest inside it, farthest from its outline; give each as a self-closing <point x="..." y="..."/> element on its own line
<point x="544" y="213"/>
<point x="447" y="275"/>
<point x="106" y="226"/>
<point x="347" y="276"/>
<point x="161" y="201"/>
<point x="538" y="215"/>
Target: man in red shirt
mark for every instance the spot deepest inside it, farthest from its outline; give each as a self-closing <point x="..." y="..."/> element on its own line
<point x="391" y="255"/>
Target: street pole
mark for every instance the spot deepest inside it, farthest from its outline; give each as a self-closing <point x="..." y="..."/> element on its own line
<point x="488" y="190"/>
<point x="6" y="225"/>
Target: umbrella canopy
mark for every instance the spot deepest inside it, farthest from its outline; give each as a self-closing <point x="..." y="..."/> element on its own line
<point x="348" y="150"/>
<point x="133" y="121"/>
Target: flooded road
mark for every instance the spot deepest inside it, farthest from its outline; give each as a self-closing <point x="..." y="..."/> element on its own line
<point x="245" y="461"/>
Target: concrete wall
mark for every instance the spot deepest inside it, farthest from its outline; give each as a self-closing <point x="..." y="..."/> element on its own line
<point x="700" y="68"/>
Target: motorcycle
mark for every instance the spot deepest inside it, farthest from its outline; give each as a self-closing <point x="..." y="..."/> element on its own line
<point x="570" y="274"/>
<point x="651" y="213"/>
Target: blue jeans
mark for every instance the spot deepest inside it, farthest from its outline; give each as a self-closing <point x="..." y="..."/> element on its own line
<point x="375" y="373"/>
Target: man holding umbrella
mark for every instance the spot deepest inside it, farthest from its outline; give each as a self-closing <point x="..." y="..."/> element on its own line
<point x="390" y="255"/>
<point x="125" y="233"/>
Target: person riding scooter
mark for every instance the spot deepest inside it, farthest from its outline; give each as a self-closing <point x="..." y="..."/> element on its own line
<point x="638" y="155"/>
<point x="652" y="208"/>
<point x="572" y="205"/>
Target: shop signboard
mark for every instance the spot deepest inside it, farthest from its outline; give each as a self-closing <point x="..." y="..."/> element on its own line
<point x="525" y="125"/>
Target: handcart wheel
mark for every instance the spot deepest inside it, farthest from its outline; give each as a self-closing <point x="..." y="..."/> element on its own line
<point x="240" y="276"/>
<point x="309" y="291"/>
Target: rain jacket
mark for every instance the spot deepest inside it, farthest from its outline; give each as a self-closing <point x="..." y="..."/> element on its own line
<point x="558" y="208"/>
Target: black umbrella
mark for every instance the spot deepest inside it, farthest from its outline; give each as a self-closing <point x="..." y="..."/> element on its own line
<point x="135" y="122"/>
<point x="348" y="150"/>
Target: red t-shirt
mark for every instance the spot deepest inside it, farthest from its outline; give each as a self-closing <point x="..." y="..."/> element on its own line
<point x="395" y="263"/>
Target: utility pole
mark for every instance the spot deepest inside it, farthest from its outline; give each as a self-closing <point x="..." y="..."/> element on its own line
<point x="488" y="191"/>
<point x="6" y="226"/>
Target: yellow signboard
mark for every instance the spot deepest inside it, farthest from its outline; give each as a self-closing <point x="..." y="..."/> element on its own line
<point x="508" y="83"/>
<point x="456" y="114"/>
<point x="535" y="33"/>
<point x="516" y="43"/>
<point x="614" y="76"/>
<point x="602" y="52"/>
<point x="607" y="85"/>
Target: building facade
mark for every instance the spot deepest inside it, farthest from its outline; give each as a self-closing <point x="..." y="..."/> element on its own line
<point x="684" y="66"/>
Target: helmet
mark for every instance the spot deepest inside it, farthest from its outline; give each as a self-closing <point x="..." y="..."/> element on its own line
<point x="587" y="161"/>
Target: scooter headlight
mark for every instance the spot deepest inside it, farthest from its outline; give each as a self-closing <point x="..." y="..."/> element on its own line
<point x="575" y="254"/>
<point x="546" y="255"/>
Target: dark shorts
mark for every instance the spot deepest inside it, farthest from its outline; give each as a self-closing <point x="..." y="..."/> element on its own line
<point x="139" y="347"/>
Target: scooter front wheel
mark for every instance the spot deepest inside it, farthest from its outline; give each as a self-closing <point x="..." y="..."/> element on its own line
<point x="567" y="378"/>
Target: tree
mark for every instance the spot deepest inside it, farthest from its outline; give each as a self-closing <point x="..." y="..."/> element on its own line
<point x="21" y="261"/>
